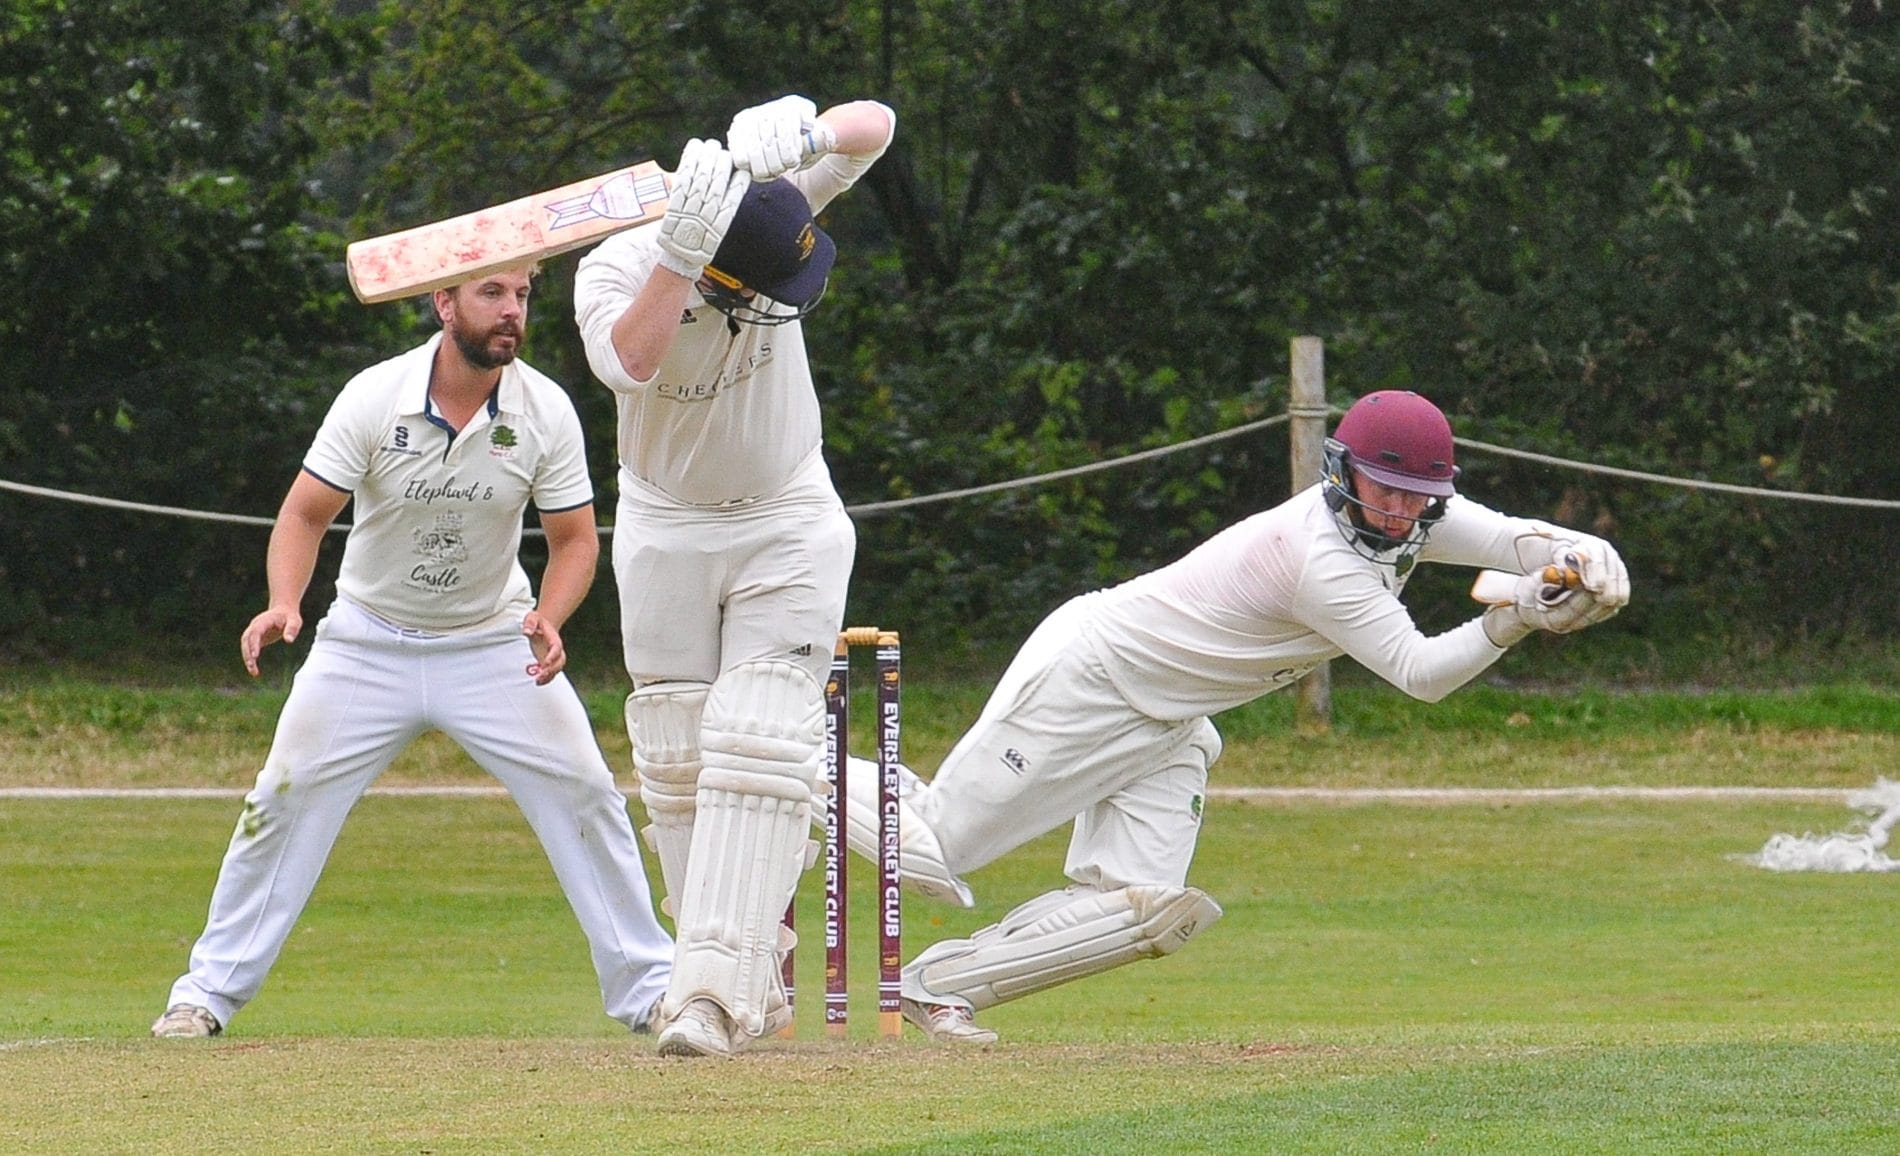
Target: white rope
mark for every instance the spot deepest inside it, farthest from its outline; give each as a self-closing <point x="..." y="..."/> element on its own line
<point x="140" y="507"/>
<point x="869" y="509"/>
<point x="1686" y="483"/>
<point x="1072" y="471"/>
<point x="146" y="507"/>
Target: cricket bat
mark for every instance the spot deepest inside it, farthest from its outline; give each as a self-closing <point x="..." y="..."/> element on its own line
<point x="1495" y="587"/>
<point x="449" y="252"/>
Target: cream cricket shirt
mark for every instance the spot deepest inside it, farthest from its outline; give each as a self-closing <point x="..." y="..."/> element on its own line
<point x="437" y="518"/>
<point x="728" y="415"/>
<point x="1264" y="601"/>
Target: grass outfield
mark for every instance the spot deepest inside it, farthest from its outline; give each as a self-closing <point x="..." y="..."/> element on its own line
<point x="1576" y="976"/>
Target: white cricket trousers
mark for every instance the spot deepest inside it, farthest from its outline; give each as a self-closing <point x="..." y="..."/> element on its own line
<point x="705" y="590"/>
<point x="367" y="691"/>
<point x="1057" y="742"/>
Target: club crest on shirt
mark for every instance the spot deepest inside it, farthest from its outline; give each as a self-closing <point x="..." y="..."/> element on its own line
<point x="441" y="546"/>
<point x="442" y="541"/>
<point x="502" y="441"/>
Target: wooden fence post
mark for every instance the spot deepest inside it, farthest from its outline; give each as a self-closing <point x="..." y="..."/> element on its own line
<point x="1306" y="409"/>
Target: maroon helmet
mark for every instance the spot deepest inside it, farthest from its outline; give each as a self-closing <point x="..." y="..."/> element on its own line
<point x="1400" y="440"/>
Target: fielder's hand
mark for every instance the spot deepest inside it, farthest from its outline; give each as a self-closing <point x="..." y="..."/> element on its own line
<point x="270" y="626"/>
<point x="706" y="193"/>
<point x="770" y="139"/>
<point x="550" y="653"/>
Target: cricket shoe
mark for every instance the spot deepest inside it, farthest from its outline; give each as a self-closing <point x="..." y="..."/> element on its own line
<point x="946" y="1023"/>
<point x="701" y="1029"/>
<point x="186" y="1021"/>
<point x="649" y="1022"/>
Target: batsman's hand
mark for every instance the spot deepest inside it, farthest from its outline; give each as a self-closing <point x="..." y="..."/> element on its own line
<point x="1540" y="604"/>
<point x="550" y="653"/>
<point x="706" y="193"/>
<point x="279" y="623"/>
<point x="771" y="139"/>
<point x="1597" y="564"/>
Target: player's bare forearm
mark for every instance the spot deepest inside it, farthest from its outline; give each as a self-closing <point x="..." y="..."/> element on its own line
<point x="302" y="520"/>
<point x="862" y="126"/>
<point x="306" y="514"/>
<point x="573" y="555"/>
<point x="645" y="332"/>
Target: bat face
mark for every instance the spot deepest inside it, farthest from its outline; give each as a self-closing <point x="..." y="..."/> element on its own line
<point x="448" y="252"/>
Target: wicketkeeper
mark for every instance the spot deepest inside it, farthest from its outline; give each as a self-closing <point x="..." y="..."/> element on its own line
<point x="1102" y="718"/>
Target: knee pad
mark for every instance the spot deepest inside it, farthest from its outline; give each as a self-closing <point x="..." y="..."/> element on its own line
<point x="761" y="743"/>
<point x="1058" y="937"/>
<point x="663" y="721"/>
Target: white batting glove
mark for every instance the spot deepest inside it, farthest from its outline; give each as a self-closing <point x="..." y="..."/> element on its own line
<point x="771" y="139"/>
<point x="1540" y="605"/>
<point x="706" y="193"/>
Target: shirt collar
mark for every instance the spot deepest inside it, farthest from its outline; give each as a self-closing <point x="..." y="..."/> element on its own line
<point x="414" y="388"/>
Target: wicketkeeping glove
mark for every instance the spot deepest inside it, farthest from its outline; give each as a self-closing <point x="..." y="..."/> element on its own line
<point x="1596" y="562"/>
<point x="1538" y="604"/>
<point x="770" y="139"/>
<point x="706" y="193"/>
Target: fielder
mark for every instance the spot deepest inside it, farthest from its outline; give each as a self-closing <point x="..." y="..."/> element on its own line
<point x="434" y="627"/>
<point x="732" y="550"/>
<point x="1102" y="717"/>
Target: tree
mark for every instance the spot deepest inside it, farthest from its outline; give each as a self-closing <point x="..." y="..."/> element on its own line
<point x="174" y="309"/>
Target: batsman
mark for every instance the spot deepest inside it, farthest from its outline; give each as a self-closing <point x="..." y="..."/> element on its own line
<point x="1102" y="717"/>
<point x="731" y="550"/>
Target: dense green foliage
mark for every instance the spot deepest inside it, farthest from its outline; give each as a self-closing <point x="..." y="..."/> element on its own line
<point x="1647" y="235"/>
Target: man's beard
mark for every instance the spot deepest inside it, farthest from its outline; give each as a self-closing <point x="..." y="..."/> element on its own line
<point x="475" y="350"/>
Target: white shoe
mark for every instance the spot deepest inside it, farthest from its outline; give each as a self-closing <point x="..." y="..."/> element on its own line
<point x="778" y="1020"/>
<point x="186" y="1021"/>
<point x="649" y="1021"/>
<point x="946" y="1023"/>
<point x="701" y="1029"/>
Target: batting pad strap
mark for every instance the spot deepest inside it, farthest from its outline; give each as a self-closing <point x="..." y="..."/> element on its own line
<point x="921" y="863"/>
<point x="762" y="740"/>
<point x="1055" y="938"/>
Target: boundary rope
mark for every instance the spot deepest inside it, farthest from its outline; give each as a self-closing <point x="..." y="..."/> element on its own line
<point x="872" y="509"/>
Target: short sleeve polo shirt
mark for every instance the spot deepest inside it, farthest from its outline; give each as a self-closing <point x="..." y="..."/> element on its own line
<point x="437" y="524"/>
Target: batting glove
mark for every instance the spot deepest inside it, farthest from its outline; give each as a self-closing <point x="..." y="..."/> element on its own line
<point x="706" y="193"/>
<point x="770" y="139"/>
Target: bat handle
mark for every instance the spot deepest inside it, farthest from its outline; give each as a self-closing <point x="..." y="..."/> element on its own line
<point x="1562" y="576"/>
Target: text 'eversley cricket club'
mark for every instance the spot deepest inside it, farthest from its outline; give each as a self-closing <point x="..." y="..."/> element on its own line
<point x="890" y="853"/>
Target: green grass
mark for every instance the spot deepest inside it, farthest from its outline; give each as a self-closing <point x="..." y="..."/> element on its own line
<point x="1583" y="976"/>
<point x="1385" y="978"/>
